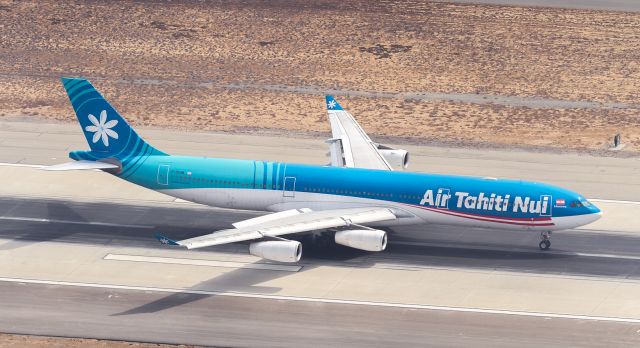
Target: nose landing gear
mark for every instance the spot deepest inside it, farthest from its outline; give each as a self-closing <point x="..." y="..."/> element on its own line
<point x="545" y="240"/>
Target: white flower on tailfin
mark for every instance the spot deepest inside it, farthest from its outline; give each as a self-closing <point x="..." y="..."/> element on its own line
<point x="102" y="128"/>
<point x="331" y="104"/>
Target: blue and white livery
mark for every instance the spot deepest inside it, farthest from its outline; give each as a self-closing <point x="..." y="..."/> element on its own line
<point x="346" y="200"/>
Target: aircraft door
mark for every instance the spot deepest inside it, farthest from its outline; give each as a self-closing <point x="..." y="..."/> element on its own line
<point x="289" y="187"/>
<point x="163" y="174"/>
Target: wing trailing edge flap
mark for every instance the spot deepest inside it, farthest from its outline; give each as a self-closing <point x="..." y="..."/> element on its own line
<point x="287" y="222"/>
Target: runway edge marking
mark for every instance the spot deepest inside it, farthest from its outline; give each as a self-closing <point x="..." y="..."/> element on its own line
<point x="328" y="301"/>
<point x="71" y="222"/>
<point x="521" y="250"/>
<point x="201" y="262"/>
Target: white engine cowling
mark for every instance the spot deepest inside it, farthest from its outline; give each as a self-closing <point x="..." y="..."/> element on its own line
<point x="396" y="158"/>
<point x="369" y="240"/>
<point x="282" y="251"/>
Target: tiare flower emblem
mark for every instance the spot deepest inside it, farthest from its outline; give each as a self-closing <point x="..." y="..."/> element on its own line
<point x="331" y="104"/>
<point x="102" y="128"/>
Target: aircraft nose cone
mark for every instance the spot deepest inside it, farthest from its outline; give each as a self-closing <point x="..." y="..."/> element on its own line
<point x="595" y="215"/>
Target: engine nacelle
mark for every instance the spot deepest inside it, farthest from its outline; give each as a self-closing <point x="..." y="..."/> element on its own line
<point x="282" y="251"/>
<point x="396" y="158"/>
<point x="369" y="240"/>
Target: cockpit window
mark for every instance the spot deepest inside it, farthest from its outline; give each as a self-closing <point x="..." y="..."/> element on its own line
<point x="581" y="202"/>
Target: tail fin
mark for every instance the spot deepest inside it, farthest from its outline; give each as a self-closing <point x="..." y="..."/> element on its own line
<point x="107" y="133"/>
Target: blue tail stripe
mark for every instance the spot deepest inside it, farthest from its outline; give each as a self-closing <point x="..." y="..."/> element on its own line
<point x="80" y="94"/>
<point x="87" y="101"/>
<point x="131" y="161"/>
<point x="140" y="162"/>
<point x="73" y="90"/>
<point x="74" y="85"/>
<point x="133" y="153"/>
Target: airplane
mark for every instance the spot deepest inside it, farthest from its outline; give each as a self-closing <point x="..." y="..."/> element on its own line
<point x="351" y="199"/>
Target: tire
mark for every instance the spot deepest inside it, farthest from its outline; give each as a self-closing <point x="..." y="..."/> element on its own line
<point x="544" y="245"/>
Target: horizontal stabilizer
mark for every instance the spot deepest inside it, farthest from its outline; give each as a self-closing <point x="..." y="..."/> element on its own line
<point x="81" y="165"/>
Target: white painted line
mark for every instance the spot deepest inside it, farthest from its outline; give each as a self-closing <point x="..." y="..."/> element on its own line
<point x="606" y="256"/>
<point x="327" y="300"/>
<point x="5" y="164"/>
<point x="520" y="250"/>
<point x="209" y="263"/>
<point x="612" y="201"/>
<point x="180" y="200"/>
<point x="107" y="224"/>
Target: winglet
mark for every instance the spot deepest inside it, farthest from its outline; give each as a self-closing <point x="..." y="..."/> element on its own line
<point x="332" y="104"/>
<point x="164" y="240"/>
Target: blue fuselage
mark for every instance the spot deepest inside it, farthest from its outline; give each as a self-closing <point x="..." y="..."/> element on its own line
<point x="275" y="186"/>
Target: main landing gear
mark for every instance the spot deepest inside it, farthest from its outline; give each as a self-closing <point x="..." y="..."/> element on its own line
<point x="545" y="240"/>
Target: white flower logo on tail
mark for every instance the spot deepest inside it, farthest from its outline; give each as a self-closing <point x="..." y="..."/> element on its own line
<point x="331" y="104"/>
<point x="102" y="128"/>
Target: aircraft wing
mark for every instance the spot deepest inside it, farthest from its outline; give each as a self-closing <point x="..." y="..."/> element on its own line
<point x="350" y="145"/>
<point x="285" y="222"/>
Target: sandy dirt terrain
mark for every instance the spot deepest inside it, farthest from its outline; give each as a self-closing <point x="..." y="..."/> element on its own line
<point x="24" y="341"/>
<point x="421" y="71"/>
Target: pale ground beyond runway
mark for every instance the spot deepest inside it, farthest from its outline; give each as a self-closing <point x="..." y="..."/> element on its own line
<point x="77" y="258"/>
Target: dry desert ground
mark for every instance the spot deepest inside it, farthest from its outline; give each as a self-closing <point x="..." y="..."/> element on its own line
<point x="415" y="71"/>
<point x="22" y="341"/>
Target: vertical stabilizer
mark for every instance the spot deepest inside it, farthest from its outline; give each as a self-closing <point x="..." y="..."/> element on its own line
<point x="107" y="133"/>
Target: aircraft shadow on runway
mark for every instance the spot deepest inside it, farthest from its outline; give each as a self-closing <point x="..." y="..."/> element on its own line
<point x="244" y="280"/>
<point x="27" y="232"/>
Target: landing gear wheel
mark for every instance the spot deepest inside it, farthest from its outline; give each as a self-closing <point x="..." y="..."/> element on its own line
<point x="545" y="244"/>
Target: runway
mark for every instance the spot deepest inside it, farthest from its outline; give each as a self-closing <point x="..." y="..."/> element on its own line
<point x="77" y="258"/>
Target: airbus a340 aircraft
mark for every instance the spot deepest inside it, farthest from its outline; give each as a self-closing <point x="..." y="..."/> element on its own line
<point x="357" y="191"/>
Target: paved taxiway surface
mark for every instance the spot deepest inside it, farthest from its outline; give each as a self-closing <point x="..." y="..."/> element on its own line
<point x="77" y="258"/>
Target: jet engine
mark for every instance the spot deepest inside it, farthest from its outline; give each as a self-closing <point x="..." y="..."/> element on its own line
<point x="395" y="157"/>
<point x="282" y="251"/>
<point x="369" y="240"/>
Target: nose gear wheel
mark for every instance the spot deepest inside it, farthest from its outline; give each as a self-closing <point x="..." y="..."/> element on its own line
<point x="545" y="240"/>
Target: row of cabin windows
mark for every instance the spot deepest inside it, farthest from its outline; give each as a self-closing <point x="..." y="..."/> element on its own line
<point x="224" y="182"/>
<point x="409" y="197"/>
<point x="360" y="193"/>
<point x="347" y="192"/>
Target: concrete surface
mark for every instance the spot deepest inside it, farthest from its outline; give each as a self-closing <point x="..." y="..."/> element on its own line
<point x="440" y="285"/>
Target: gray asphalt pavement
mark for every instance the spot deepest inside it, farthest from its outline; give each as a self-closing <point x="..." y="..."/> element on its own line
<point x="575" y="252"/>
<point x="241" y="322"/>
